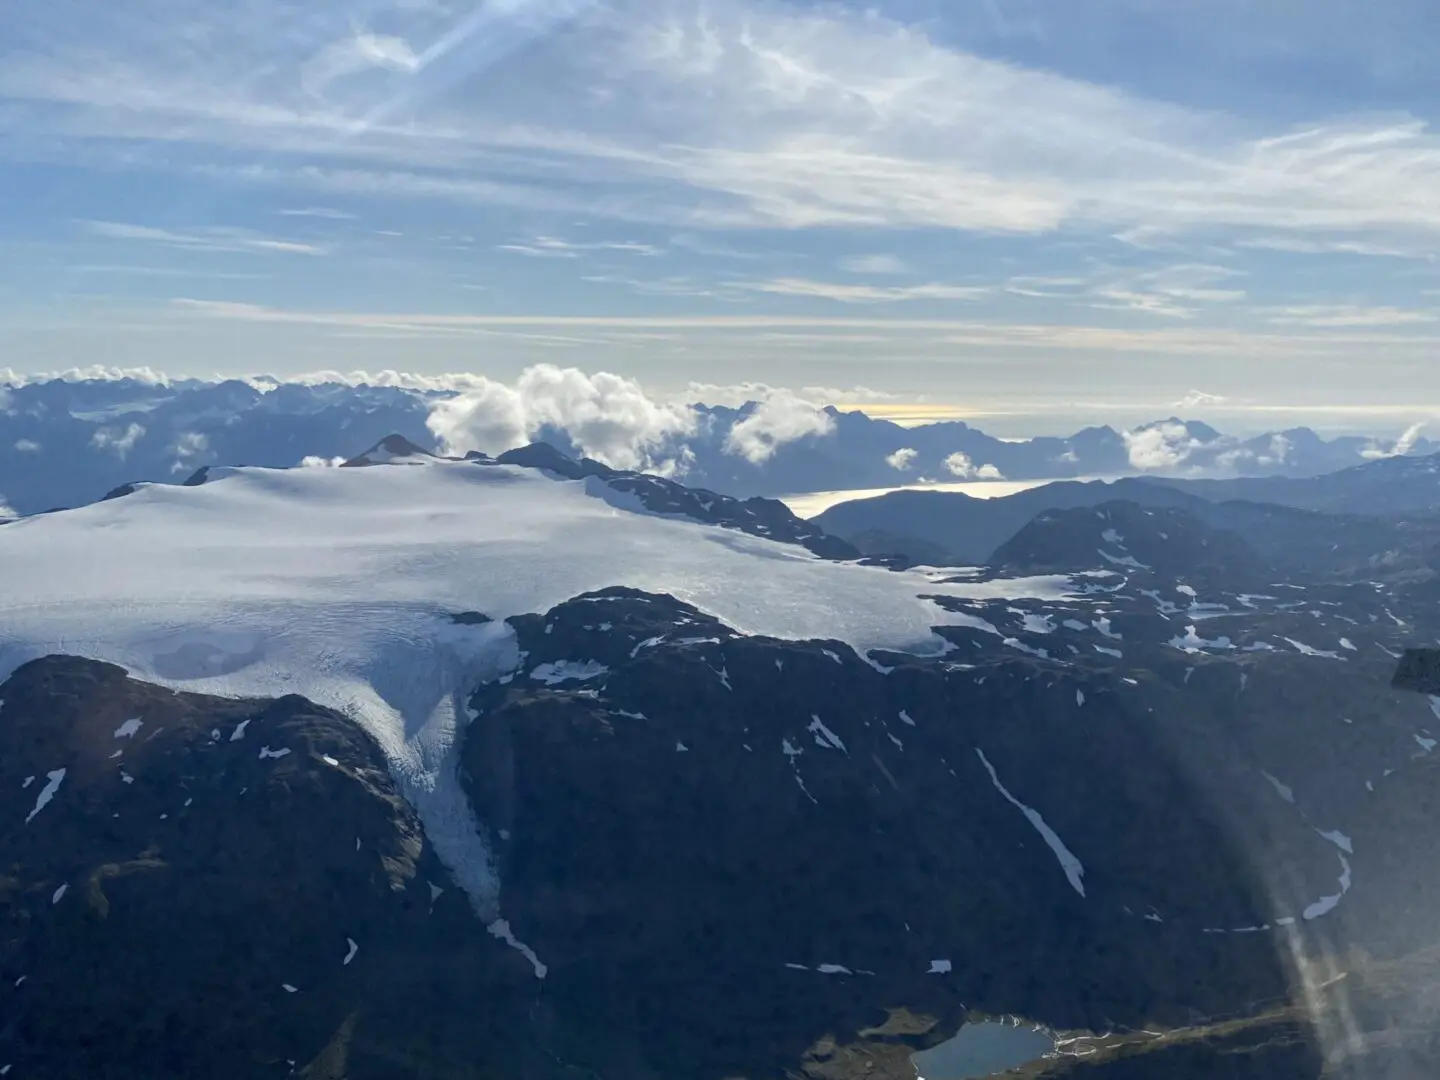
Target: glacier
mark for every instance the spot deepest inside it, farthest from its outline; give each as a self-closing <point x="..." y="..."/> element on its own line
<point x="340" y="585"/>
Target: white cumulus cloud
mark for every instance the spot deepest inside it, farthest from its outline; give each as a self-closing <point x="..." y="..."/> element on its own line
<point x="607" y="417"/>
<point x="118" y="441"/>
<point x="781" y="418"/>
<point x="902" y="459"/>
<point x="187" y="447"/>
<point x="7" y="513"/>
<point x="93" y="373"/>
<point x="1402" y="446"/>
<point x="1277" y="453"/>
<point x="191" y="443"/>
<point x="1160" y="446"/>
<point x="27" y="446"/>
<point x="961" y="465"/>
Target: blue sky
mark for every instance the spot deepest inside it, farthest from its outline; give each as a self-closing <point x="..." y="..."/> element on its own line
<point x="1005" y="208"/>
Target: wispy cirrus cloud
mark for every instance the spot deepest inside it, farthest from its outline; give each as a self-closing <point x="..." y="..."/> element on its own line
<point x="751" y="115"/>
<point x="207" y="238"/>
<point x="359" y="52"/>
<point x="328" y="212"/>
<point x="847" y="293"/>
<point x="782" y="156"/>
<point x="552" y="247"/>
<point x="678" y="285"/>
<point x="879" y="333"/>
<point x="1338" y="316"/>
<point x="875" y="264"/>
<point x="1173" y="290"/>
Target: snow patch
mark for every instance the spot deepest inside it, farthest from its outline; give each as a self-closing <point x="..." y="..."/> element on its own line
<point x="824" y="736"/>
<point x="1074" y="871"/>
<point x="1016" y="643"/>
<point x="1122" y="560"/>
<point x="128" y="729"/>
<point x="559" y="671"/>
<point x="53" y="781"/>
<point x="1283" y="790"/>
<point x="1327" y="904"/>
<point x="1036" y="624"/>
<point x="1192" y="642"/>
<point x="1306" y="650"/>
<point x="500" y="928"/>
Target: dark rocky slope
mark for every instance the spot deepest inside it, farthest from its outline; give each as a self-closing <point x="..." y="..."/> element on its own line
<point x="743" y="857"/>
<point x="1169" y="542"/>
<point x="769" y="518"/>
<point x="155" y="908"/>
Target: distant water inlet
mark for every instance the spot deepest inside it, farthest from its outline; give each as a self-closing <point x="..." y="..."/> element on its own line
<point x="984" y="1049"/>
<point x="808" y="504"/>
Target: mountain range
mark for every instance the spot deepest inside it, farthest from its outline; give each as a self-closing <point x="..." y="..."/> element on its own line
<point x="529" y="768"/>
<point x="1380" y="518"/>
<point x="67" y="442"/>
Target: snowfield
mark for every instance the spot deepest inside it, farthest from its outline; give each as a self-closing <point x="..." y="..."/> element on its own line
<point x="338" y="584"/>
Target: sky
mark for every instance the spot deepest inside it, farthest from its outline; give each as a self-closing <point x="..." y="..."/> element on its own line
<point x="1025" y="212"/>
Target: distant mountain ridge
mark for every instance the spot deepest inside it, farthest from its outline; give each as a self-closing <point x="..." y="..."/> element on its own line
<point x="65" y="443"/>
<point x="1394" y="485"/>
<point x="1167" y="541"/>
<point x="1381" y="517"/>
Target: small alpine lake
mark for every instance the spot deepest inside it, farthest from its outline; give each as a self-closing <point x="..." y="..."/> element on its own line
<point x="984" y="1048"/>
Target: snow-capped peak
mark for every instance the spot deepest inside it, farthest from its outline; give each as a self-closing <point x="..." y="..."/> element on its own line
<point x="391" y="450"/>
